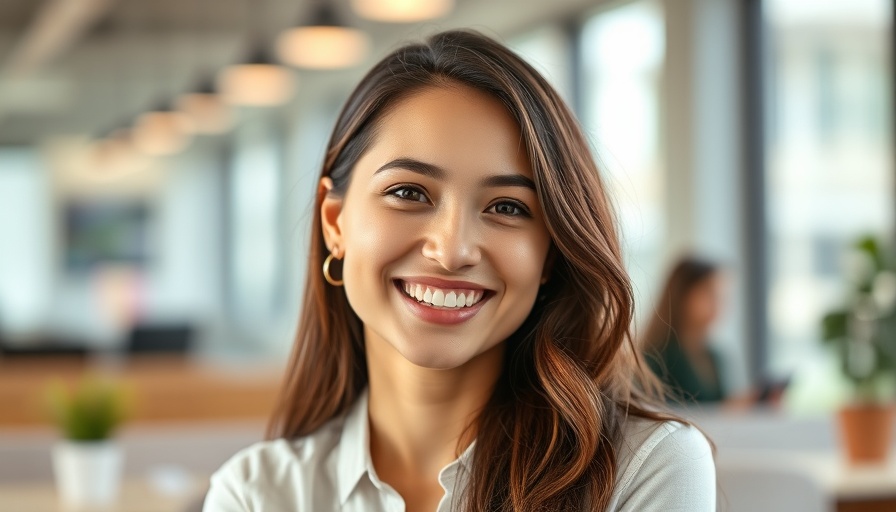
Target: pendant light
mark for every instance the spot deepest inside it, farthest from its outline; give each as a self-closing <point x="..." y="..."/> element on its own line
<point x="324" y="42"/>
<point x="259" y="82"/>
<point x="402" y="11"/>
<point x="209" y="114"/>
<point x="162" y="132"/>
<point x="115" y="154"/>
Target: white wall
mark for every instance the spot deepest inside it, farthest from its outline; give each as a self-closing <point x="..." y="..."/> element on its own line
<point x="185" y="277"/>
<point x="25" y="242"/>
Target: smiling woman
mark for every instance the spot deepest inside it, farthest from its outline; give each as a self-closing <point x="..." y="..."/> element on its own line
<point x="466" y="346"/>
<point x="444" y="207"/>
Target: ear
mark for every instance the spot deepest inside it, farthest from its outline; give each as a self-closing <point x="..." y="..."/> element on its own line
<point x="330" y="215"/>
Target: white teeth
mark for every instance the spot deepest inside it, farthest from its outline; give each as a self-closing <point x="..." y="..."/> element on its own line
<point x="442" y="298"/>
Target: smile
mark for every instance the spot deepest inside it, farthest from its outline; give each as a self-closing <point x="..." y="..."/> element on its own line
<point x="441" y="297"/>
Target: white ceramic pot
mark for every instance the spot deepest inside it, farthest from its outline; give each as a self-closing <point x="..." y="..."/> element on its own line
<point x="88" y="473"/>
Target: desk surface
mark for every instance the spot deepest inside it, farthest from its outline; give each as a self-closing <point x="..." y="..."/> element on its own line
<point x="834" y="476"/>
<point x="163" y="388"/>
<point x="866" y="488"/>
<point x="137" y="495"/>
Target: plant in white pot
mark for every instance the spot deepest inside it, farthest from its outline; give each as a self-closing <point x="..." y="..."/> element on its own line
<point x="88" y="461"/>
<point x="863" y="334"/>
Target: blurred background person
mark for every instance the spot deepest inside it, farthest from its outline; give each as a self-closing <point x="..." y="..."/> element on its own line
<point x="676" y="342"/>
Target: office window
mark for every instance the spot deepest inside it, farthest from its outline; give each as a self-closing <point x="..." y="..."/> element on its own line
<point x="829" y="175"/>
<point x="26" y="257"/>
<point x="254" y="201"/>
<point x="623" y="50"/>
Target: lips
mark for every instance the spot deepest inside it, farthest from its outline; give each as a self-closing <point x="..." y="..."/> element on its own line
<point x="442" y="301"/>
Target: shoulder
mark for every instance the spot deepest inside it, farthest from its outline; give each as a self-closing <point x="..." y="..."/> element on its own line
<point x="272" y="458"/>
<point x="664" y="466"/>
<point x="275" y="471"/>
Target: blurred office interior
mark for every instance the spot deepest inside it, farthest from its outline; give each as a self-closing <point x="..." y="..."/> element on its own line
<point x="159" y="236"/>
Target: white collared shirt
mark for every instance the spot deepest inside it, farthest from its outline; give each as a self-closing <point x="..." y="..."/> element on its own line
<point x="662" y="467"/>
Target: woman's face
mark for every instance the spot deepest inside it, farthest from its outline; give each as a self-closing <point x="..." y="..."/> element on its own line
<point x="704" y="303"/>
<point x="444" y="241"/>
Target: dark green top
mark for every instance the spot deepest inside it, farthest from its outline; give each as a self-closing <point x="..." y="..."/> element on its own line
<point x="686" y="382"/>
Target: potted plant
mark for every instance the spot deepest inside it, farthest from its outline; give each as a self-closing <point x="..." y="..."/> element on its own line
<point x="863" y="334"/>
<point x="88" y="461"/>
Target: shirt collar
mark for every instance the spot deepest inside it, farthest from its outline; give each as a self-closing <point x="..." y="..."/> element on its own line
<point x="354" y="452"/>
<point x="456" y="471"/>
<point x="354" y="449"/>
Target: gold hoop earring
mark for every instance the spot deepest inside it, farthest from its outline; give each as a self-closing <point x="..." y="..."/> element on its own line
<point x="327" y="276"/>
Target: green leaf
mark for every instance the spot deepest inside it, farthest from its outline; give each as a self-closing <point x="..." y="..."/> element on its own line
<point x="834" y="326"/>
<point x="88" y="412"/>
<point x="871" y="247"/>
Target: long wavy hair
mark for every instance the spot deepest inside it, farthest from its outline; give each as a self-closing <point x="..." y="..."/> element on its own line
<point x="546" y="440"/>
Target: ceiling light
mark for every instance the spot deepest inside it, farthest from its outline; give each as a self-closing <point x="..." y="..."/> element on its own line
<point x="208" y="113"/>
<point x="322" y="47"/>
<point x="162" y="132"/>
<point x="116" y="154"/>
<point x="402" y="11"/>
<point x="258" y="83"/>
<point x="324" y="43"/>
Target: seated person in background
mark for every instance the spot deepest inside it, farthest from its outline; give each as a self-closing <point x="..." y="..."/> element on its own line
<point x="675" y="343"/>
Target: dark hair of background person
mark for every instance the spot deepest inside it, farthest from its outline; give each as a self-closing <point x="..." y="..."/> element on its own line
<point x="545" y="440"/>
<point x="668" y="316"/>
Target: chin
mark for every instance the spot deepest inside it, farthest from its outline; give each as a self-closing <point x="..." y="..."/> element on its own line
<point x="427" y="357"/>
<point x="447" y="354"/>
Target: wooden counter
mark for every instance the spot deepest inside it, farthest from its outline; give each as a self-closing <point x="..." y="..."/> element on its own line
<point x="160" y="388"/>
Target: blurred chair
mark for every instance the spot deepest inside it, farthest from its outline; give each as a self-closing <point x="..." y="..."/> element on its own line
<point x="160" y="338"/>
<point x="73" y="349"/>
<point x="750" y="487"/>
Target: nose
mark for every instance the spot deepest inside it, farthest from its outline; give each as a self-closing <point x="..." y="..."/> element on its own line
<point x="452" y="240"/>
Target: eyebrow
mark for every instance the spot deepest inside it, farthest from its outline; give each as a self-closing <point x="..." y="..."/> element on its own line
<point x="436" y="172"/>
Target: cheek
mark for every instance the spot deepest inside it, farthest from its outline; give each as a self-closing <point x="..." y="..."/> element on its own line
<point x="521" y="260"/>
<point x="373" y="239"/>
<point x="703" y="307"/>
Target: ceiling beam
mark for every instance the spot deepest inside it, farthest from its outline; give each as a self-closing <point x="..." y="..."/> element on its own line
<point x="57" y="26"/>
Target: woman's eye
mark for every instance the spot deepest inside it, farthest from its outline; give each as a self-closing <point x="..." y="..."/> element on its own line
<point x="409" y="194"/>
<point x="510" y="209"/>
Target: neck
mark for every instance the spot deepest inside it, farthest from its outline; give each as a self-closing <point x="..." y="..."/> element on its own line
<point x="421" y="418"/>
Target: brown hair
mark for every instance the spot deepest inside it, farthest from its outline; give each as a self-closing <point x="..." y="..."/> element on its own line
<point x="546" y="439"/>
<point x="668" y="316"/>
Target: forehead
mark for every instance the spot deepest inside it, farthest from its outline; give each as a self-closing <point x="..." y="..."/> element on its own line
<point x="453" y="126"/>
<point x="710" y="282"/>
